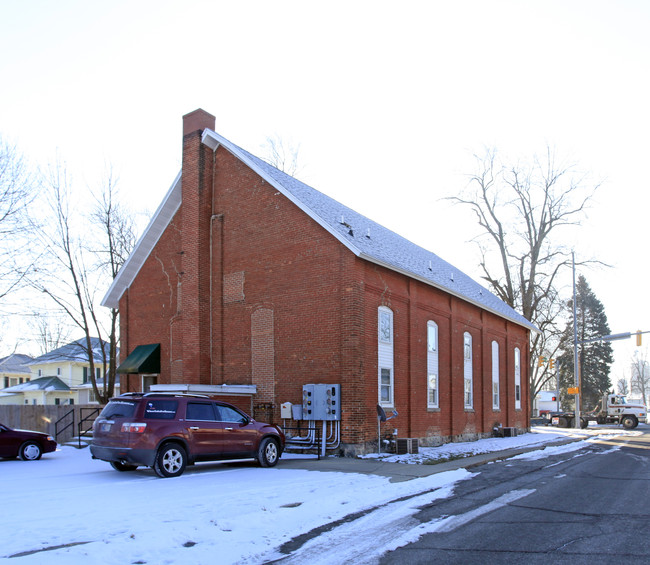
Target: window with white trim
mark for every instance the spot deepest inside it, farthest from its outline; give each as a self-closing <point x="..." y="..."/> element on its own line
<point x="432" y="365"/>
<point x="386" y="375"/>
<point x="517" y="379"/>
<point x="467" y="371"/>
<point x="495" y="375"/>
<point x="386" y="386"/>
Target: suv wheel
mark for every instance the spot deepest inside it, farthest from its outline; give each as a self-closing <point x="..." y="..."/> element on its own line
<point x="268" y="453"/>
<point x="170" y="461"/>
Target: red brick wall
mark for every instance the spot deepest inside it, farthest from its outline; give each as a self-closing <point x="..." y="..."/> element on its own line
<point x="244" y="288"/>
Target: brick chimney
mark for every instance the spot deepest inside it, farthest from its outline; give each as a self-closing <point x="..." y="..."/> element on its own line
<point x="197" y="121"/>
<point x="192" y="343"/>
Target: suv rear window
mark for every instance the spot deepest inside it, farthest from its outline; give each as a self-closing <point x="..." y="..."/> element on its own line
<point x="161" y="409"/>
<point x="119" y="409"/>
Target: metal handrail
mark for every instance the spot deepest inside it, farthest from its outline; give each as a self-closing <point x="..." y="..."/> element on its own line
<point x="91" y="417"/>
<point x="64" y="428"/>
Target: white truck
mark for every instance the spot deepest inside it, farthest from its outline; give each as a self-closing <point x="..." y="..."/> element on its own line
<point x="613" y="409"/>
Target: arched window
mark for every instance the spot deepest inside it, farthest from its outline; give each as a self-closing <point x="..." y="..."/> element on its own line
<point x="432" y="365"/>
<point x="517" y="379"/>
<point x="385" y="356"/>
<point x="467" y="371"/>
<point x="495" y="375"/>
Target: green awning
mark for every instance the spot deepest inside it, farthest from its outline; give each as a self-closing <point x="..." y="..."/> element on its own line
<point x="143" y="359"/>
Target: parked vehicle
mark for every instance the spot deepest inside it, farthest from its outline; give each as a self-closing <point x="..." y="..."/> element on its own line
<point x="170" y="431"/>
<point x="27" y="445"/>
<point x="613" y="409"/>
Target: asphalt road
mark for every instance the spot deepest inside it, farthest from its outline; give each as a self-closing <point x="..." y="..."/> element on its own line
<point x="589" y="506"/>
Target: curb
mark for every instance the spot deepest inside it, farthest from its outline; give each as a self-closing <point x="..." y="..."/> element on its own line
<point x="404" y="472"/>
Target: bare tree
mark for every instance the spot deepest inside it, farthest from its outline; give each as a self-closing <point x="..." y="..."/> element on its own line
<point x="117" y="238"/>
<point x="623" y="386"/>
<point x="640" y="379"/>
<point x="51" y="332"/>
<point x="17" y="192"/>
<point x="520" y="208"/>
<point x="281" y="154"/>
<point x="83" y="267"/>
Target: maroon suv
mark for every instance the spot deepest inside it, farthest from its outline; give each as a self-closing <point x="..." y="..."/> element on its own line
<point x="170" y="431"/>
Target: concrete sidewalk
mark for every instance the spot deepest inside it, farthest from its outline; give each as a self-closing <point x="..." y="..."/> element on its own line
<point x="403" y="471"/>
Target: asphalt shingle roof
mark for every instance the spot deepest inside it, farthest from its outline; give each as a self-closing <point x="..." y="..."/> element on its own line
<point x="374" y="242"/>
<point x="75" y="352"/>
<point x="15" y="363"/>
<point x="364" y="237"/>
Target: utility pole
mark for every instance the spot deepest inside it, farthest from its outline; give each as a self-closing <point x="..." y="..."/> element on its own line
<point x="576" y="377"/>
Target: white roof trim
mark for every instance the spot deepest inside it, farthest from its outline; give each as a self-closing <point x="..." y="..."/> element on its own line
<point x="172" y="202"/>
<point x="159" y="221"/>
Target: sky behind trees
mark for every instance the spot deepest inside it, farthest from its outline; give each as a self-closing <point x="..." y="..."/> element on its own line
<point x="387" y="101"/>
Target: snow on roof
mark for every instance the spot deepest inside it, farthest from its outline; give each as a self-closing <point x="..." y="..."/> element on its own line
<point x="364" y="237"/>
<point x="75" y="352"/>
<point x="47" y="384"/>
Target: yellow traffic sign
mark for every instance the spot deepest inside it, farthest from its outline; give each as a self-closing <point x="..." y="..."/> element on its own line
<point x="573" y="390"/>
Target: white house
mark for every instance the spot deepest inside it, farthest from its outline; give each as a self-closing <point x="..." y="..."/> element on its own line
<point x="60" y="376"/>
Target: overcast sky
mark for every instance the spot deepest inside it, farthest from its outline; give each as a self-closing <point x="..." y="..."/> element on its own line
<point x="387" y="100"/>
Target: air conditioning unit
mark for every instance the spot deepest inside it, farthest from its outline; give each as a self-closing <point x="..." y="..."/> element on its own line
<point x="406" y="445"/>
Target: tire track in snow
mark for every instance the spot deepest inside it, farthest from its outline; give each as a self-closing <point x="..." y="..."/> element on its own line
<point x="366" y="539"/>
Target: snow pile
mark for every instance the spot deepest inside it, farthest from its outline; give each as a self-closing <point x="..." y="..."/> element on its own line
<point x="539" y="436"/>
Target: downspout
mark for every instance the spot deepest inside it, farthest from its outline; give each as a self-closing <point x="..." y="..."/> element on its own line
<point x="219" y="218"/>
<point x="214" y="158"/>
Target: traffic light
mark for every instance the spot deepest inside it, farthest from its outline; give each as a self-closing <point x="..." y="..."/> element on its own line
<point x="551" y="364"/>
<point x="541" y="360"/>
<point x="638" y="338"/>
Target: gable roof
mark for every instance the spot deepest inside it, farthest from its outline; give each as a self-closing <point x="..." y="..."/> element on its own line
<point x="74" y="352"/>
<point x="16" y="363"/>
<point x="366" y="239"/>
<point x="43" y="383"/>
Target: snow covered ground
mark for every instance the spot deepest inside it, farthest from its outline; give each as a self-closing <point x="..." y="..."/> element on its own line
<point x="67" y="508"/>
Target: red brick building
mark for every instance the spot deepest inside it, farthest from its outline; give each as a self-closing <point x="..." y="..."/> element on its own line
<point x="249" y="284"/>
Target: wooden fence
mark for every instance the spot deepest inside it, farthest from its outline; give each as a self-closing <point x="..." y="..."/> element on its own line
<point x="41" y="418"/>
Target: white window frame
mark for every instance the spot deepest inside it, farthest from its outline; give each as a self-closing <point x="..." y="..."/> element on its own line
<point x="517" y="379"/>
<point x="495" y="376"/>
<point x="385" y="357"/>
<point x="433" y="394"/>
<point x="385" y="325"/>
<point x="468" y="376"/>
<point x="385" y="387"/>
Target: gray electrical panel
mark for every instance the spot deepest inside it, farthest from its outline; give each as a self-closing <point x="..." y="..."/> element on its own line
<point x="321" y="402"/>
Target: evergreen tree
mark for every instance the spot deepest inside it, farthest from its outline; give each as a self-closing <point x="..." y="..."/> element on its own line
<point x="595" y="358"/>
